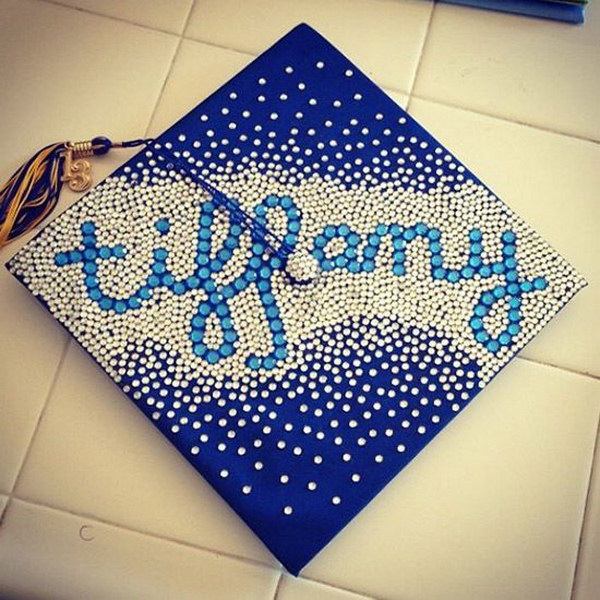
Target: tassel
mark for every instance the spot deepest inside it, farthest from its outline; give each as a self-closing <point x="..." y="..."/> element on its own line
<point x="31" y="194"/>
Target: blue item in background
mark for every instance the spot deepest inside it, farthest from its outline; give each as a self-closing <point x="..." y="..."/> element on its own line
<point x="559" y="11"/>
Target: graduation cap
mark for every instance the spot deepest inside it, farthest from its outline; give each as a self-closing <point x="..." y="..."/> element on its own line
<point x="296" y="283"/>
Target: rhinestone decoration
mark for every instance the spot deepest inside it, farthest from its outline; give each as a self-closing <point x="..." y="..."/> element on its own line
<point x="298" y="385"/>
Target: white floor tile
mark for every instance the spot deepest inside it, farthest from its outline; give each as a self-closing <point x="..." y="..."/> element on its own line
<point x="198" y="70"/>
<point x="491" y="509"/>
<point x="587" y="580"/>
<point x="46" y="553"/>
<point x="71" y="76"/>
<point x="30" y="351"/>
<point x="527" y="70"/>
<point x="292" y="588"/>
<point x="96" y="453"/>
<point x="165" y="15"/>
<point x="384" y="38"/>
<point x="552" y="181"/>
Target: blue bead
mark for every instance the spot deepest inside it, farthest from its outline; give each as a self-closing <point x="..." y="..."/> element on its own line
<point x="162" y="225"/>
<point x="453" y="276"/>
<point x="482" y="336"/>
<point x="514" y="315"/>
<point x="480" y="310"/>
<point x="94" y="294"/>
<point x="159" y="267"/>
<point x="369" y="252"/>
<point x="509" y="250"/>
<point x="498" y="268"/>
<point x="120" y="307"/>
<point x="276" y="325"/>
<point x="381" y="229"/>
<point x="160" y="254"/>
<point x="193" y="282"/>
<point x="343" y="230"/>
<point x="514" y="302"/>
<point x="212" y="357"/>
<point x="89" y="240"/>
<point x="485" y="271"/>
<point x="539" y="283"/>
<point x="493" y="346"/>
<point x="504" y="339"/>
<point x="61" y="259"/>
<point x="268" y="362"/>
<point x="488" y="298"/>
<point x="321" y="242"/>
<point x="119" y="251"/>
<point x="90" y="253"/>
<point x="90" y="268"/>
<point x="509" y="237"/>
<point x="198" y="322"/>
<point x="476" y="248"/>
<point x="510" y="263"/>
<point x="179" y="288"/>
<point x="399" y="270"/>
<point x="434" y="234"/>
<point x="199" y="349"/>
<point x="395" y="229"/>
<point x="330" y="231"/>
<point x="145" y="293"/>
<point x="281" y="352"/>
<point x="467" y="272"/>
<point x="421" y="228"/>
<point x="409" y="234"/>
<point x="353" y="239"/>
<point x="168" y="279"/>
<point x="373" y="240"/>
<point x="226" y="350"/>
<point x="230" y="336"/>
<point x="153" y="281"/>
<point x="512" y="289"/>
<point x="512" y="276"/>
<point x="475" y="235"/>
<point x="253" y="362"/>
<point x="88" y="227"/>
<point x="439" y="273"/>
<point x="91" y="281"/>
<point x="499" y="291"/>
<point x="368" y="266"/>
<point x="133" y="303"/>
<point x="526" y="286"/>
<point x="475" y="261"/>
<point x="513" y="329"/>
<point x="106" y="303"/>
<point x="435" y="247"/>
<point x="476" y="323"/>
<point x="104" y="252"/>
<point x="196" y="336"/>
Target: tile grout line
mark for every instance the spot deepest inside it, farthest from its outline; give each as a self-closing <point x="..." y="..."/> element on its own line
<point x="170" y="69"/>
<point x="87" y="11"/>
<point x="49" y="393"/>
<point x="278" y="586"/>
<point x="586" y="509"/>
<point x="343" y="589"/>
<point x="476" y="111"/>
<point x="420" y="60"/>
<point x="236" y="557"/>
<point x="385" y="87"/>
<point x="186" y="544"/>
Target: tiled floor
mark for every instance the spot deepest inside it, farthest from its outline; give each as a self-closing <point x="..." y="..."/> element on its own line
<point x="96" y="502"/>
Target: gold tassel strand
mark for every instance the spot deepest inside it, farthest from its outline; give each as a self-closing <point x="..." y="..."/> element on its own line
<point x="32" y="192"/>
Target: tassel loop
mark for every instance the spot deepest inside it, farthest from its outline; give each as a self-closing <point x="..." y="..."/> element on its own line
<point x="31" y="194"/>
